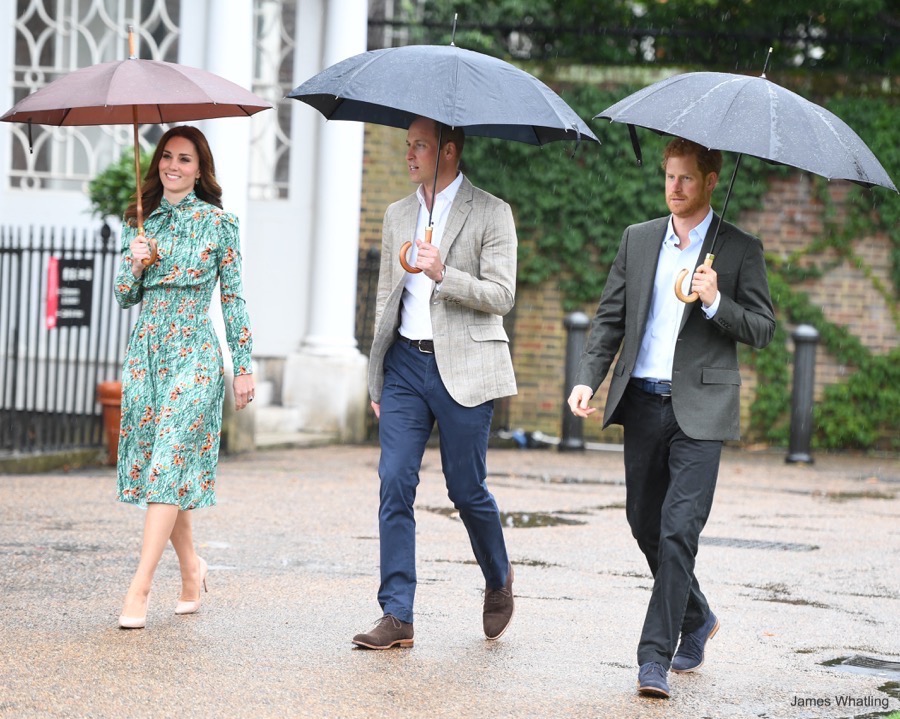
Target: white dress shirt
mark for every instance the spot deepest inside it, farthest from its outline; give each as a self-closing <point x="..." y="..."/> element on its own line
<point x="654" y="360"/>
<point x="415" y="310"/>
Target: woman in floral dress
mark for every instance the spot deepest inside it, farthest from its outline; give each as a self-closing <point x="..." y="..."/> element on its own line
<point x="173" y="383"/>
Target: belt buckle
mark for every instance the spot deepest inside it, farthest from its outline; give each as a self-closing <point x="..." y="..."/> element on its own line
<point x="666" y="384"/>
<point x="422" y="349"/>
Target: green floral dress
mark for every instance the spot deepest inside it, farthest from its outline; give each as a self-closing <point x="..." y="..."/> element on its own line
<point x="173" y="378"/>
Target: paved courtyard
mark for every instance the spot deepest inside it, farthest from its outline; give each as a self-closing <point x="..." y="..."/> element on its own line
<point x="799" y="562"/>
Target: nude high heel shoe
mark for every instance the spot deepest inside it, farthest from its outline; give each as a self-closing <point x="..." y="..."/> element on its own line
<point x="190" y="607"/>
<point x="134" y="622"/>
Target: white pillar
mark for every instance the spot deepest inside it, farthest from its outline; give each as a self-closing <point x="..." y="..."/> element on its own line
<point x="336" y="229"/>
<point x="229" y="54"/>
<point x="326" y="380"/>
<point x="227" y="50"/>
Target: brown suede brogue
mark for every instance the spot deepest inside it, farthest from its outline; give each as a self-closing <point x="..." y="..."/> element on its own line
<point x="387" y="633"/>
<point x="498" y="608"/>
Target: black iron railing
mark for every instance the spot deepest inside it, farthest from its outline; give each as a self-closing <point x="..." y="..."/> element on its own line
<point x="50" y="363"/>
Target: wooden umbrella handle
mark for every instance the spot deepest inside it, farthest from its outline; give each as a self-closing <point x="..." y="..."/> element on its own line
<point x="147" y="261"/>
<point x="405" y="248"/>
<point x="694" y="296"/>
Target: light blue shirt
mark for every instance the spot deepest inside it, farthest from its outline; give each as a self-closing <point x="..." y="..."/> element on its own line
<point x="654" y="360"/>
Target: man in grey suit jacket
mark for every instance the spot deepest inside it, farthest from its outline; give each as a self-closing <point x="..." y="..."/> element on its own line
<point x="440" y="353"/>
<point x="675" y="389"/>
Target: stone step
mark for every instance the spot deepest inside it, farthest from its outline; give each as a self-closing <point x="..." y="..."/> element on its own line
<point x="287" y="440"/>
<point x="281" y="427"/>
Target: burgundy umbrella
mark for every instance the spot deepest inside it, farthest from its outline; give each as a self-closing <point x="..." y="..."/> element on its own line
<point x="133" y="91"/>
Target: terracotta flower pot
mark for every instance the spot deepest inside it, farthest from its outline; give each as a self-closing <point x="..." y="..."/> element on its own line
<point x="109" y="395"/>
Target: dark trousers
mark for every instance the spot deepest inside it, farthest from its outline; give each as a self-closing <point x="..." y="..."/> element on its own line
<point x="413" y="398"/>
<point x="670" y="480"/>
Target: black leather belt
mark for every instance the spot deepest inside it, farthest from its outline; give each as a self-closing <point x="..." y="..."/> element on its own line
<point x="426" y="346"/>
<point x="653" y="386"/>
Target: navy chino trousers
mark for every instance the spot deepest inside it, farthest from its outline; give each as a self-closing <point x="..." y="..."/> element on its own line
<point x="413" y="398"/>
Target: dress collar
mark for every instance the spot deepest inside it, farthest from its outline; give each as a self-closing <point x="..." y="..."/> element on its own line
<point x="189" y="199"/>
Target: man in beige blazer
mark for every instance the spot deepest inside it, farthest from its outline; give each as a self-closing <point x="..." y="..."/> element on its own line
<point x="440" y="354"/>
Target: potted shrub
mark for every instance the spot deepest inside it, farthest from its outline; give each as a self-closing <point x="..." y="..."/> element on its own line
<point x="110" y="193"/>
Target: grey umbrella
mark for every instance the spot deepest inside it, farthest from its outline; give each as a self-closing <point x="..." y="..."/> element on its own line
<point x="482" y="95"/>
<point x="750" y="116"/>
<point x="460" y="88"/>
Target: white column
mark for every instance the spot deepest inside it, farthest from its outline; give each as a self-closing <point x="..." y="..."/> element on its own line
<point x="325" y="382"/>
<point x="227" y="42"/>
<point x="229" y="53"/>
<point x="336" y="230"/>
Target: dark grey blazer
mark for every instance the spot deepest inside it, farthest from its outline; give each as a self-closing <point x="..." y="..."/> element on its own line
<point x="705" y="375"/>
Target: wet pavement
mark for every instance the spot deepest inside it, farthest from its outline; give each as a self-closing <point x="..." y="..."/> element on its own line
<point x="799" y="562"/>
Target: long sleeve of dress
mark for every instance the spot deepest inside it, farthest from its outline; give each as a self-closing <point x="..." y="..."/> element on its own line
<point x="129" y="290"/>
<point x="231" y="288"/>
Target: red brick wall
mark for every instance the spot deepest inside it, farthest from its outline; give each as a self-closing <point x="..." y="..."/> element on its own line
<point x="385" y="179"/>
<point x="790" y="217"/>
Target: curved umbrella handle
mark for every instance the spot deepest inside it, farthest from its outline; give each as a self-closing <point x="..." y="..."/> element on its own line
<point x="694" y="296"/>
<point x="405" y="248"/>
<point x="147" y="261"/>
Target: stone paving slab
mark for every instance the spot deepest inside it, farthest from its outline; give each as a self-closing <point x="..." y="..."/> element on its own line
<point x="799" y="562"/>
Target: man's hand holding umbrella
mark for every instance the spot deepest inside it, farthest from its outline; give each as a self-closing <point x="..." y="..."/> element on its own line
<point x="428" y="260"/>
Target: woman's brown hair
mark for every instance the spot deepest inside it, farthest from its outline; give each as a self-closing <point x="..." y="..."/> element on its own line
<point x="207" y="187"/>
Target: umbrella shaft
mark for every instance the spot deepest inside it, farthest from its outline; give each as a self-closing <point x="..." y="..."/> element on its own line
<point x="737" y="164"/>
<point x="137" y="173"/>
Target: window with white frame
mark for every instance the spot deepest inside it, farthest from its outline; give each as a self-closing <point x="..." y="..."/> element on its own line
<point x="55" y="37"/>
<point x="273" y="75"/>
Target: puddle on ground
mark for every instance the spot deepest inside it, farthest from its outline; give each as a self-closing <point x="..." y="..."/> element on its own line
<point x="557" y="479"/>
<point x="536" y="519"/>
<point x="848" y="496"/>
<point x="517" y="520"/>
<point x="870" y="666"/>
<point x="519" y="562"/>
<point x="634" y="575"/>
<point x="795" y="602"/>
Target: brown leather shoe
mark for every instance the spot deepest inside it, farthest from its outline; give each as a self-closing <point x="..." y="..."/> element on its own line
<point x="388" y="632"/>
<point x="498" y="608"/>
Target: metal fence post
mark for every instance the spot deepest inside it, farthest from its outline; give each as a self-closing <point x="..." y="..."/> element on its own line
<point x="576" y="324"/>
<point x="805" y="340"/>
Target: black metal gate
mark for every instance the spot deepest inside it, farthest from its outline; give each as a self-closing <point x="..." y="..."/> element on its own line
<point x="49" y="371"/>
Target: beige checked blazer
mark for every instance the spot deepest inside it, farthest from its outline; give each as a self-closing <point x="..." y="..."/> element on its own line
<point x="478" y="248"/>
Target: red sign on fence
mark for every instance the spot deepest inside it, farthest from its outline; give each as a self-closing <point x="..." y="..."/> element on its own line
<point x="52" y="292"/>
<point x="70" y="286"/>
